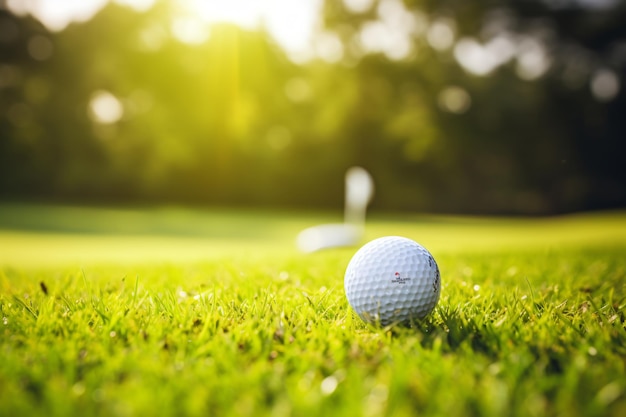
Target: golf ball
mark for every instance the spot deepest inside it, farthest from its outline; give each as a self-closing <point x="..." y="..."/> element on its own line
<point x="392" y="279"/>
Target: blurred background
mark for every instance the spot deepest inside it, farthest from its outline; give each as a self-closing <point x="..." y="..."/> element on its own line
<point x="492" y="107"/>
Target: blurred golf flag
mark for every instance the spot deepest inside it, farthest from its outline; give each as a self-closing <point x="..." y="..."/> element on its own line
<point x="359" y="190"/>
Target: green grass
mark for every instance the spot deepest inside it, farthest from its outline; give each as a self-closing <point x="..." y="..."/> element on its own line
<point x="190" y="312"/>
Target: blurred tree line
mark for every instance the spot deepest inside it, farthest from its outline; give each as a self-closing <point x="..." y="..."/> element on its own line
<point x="453" y="106"/>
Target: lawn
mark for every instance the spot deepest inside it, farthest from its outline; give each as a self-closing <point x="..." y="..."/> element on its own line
<point x="173" y="311"/>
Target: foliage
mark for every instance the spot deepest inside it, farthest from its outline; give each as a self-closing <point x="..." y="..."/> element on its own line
<point x="233" y="121"/>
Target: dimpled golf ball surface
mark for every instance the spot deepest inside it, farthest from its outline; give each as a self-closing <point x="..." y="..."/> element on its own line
<point x="392" y="279"/>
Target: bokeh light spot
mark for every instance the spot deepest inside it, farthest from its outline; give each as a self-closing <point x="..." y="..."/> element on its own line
<point x="373" y="37"/>
<point x="605" y="85"/>
<point x="190" y="30"/>
<point x="105" y="108"/>
<point x="391" y="33"/>
<point x="40" y="47"/>
<point x="440" y="35"/>
<point x="329" y="385"/>
<point x="454" y="99"/>
<point x="329" y="47"/>
<point x="376" y="36"/>
<point x="152" y="37"/>
<point x="533" y="60"/>
<point x="298" y="90"/>
<point x="502" y="48"/>
<point x="473" y="57"/>
<point x="358" y="6"/>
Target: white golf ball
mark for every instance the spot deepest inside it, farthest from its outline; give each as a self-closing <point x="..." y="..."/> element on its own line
<point x="392" y="279"/>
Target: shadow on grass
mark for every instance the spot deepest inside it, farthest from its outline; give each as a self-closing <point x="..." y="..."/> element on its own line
<point x="454" y="329"/>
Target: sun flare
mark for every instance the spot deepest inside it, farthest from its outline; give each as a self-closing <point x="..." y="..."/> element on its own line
<point x="291" y="24"/>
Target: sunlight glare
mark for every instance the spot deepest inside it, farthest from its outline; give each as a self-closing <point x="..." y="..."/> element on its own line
<point x="291" y="24"/>
<point x="189" y="30"/>
<point x="57" y="15"/>
<point x="358" y="6"/>
<point x="138" y="5"/>
<point x="244" y="13"/>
